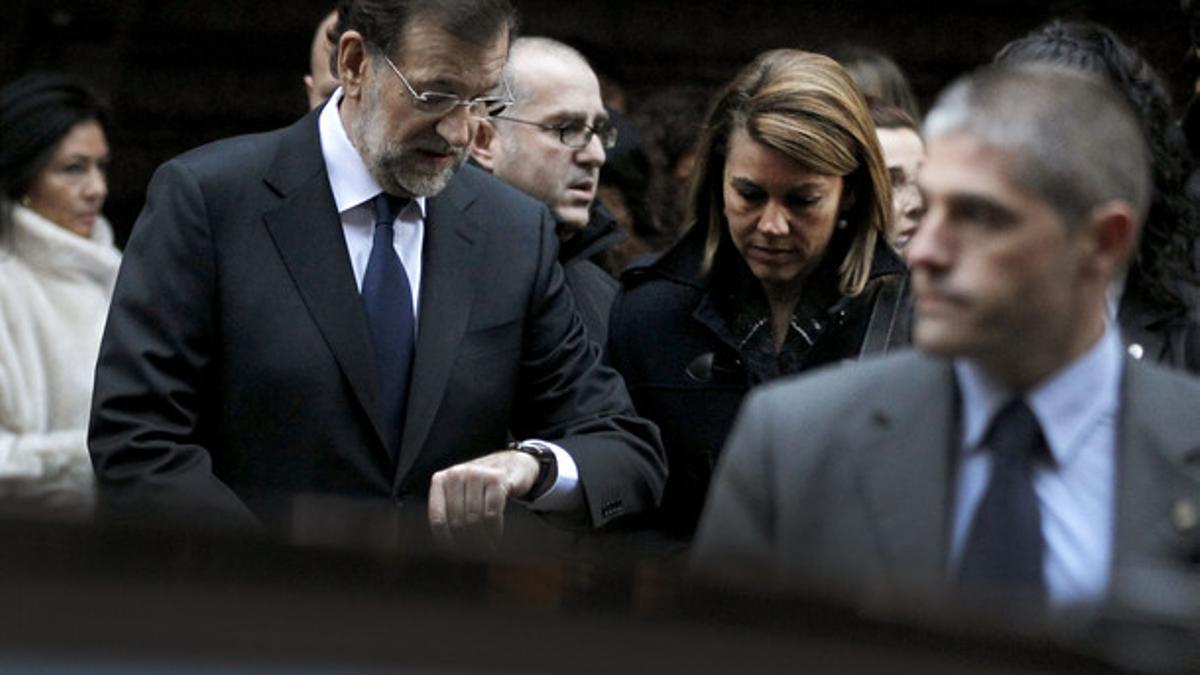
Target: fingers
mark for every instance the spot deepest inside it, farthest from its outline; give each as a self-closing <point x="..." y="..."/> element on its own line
<point x="466" y="506"/>
<point x="494" y="499"/>
<point x="439" y="521"/>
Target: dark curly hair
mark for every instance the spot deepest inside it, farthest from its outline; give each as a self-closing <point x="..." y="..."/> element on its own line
<point x="1164" y="262"/>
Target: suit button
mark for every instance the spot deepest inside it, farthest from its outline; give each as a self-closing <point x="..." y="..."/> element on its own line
<point x="1136" y="351"/>
<point x="1184" y="516"/>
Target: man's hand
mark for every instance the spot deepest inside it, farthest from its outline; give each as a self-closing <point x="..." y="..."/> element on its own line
<point x="466" y="501"/>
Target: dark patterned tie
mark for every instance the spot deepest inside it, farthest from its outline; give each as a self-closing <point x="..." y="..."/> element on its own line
<point x="387" y="297"/>
<point x="1005" y="545"/>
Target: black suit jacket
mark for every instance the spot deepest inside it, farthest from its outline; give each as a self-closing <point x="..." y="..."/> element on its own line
<point x="236" y="363"/>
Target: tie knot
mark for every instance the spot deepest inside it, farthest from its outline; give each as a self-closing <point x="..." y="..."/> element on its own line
<point x="386" y="208"/>
<point x="1015" y="433"/>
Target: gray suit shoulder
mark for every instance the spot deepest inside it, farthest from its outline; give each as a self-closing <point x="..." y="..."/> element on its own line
<point x="829" y="390"/>
<point x="1166" y="399"/>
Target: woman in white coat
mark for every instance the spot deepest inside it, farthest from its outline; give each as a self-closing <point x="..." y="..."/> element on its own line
<point x="57" y="269"/>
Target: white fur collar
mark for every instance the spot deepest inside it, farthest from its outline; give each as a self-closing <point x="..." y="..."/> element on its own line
<point x="54" y="250"/>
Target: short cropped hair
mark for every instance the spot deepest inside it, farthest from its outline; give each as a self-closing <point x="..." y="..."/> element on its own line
<point x="1164" y="263"/>
<point x="1075" y="140"/>
<point x="806" y="107"/>
<point x="382" y="22"/>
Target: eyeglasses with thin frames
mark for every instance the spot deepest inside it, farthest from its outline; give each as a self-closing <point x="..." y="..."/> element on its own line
<point x="440" y="103"/>
<point x="573" y="134"/>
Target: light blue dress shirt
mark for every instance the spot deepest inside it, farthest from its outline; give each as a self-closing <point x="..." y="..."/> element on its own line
<point x="1077" y="409"/>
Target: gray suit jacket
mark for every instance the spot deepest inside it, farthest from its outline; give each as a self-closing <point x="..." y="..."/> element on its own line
<point x="842" y="480"/>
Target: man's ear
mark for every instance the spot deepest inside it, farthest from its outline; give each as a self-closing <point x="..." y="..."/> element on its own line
<point x="308" y="85"/>
<point x="483" y="148"/>
<point x="1112" y="235"/>
<point x="352" y="63"/>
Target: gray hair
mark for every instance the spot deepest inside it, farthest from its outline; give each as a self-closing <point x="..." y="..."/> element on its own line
<point x="1077" y="144"/>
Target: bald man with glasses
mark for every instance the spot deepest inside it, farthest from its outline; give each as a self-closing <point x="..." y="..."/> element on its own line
<point x="551" y="144"/>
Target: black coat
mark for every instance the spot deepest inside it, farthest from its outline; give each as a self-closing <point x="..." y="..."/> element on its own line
<point x="592" y="287"/>
<point x="686" y="373"/>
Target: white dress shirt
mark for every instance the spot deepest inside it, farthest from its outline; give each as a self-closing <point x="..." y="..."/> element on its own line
<point x="1077" y="410"/>
<point x="354" y="189"/>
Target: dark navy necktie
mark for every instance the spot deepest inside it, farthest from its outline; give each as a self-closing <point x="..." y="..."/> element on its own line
<point x="1005" y="545"/>
<point x="387" y="297"/>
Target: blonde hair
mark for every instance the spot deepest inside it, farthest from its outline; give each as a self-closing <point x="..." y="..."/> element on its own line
<point x="805" y="106"/>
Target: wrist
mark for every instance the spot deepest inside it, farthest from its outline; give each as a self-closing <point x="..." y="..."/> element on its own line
<point x="547" y="466"/>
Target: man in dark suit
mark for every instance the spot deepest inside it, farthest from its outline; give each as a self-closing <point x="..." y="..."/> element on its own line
<point x="266" y="341"/>
<point x="1019" y="456"/>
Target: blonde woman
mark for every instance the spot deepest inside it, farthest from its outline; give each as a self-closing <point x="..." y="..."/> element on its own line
<point x="786" y="266"/>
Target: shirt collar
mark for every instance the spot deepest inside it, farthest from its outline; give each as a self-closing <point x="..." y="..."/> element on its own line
<point x="351" y="182"/>
<point x="1066" y="404"/>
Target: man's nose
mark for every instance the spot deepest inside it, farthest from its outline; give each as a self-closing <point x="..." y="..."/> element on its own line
<point x="592" y="154"/>
<point x="929" y="246"/>
<point x="456" y="127"/>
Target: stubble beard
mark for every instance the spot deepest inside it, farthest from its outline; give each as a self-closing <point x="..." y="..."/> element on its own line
<point x="396" y="165"/>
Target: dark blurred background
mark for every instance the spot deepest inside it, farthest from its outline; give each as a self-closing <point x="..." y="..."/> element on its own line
<point x="179" y="73"/>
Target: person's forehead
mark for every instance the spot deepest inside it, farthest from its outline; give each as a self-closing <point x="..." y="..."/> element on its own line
<point x="959" y="161"/>
<point x="900" y="145"/>
<point x="557" y="87"/>
<point x="761" y="164"/>
<point x="86" y="137"/>
<point x="428" y="52"/>
<point x="962" y="168"/>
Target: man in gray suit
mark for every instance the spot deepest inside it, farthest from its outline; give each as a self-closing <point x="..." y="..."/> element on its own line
<point x="1019" y="454"/>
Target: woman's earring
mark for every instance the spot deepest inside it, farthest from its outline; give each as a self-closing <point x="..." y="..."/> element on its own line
<point x="25" y="201"/>
<point x="842" y="224"/>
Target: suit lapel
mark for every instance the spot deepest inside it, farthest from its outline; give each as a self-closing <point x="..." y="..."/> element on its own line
<point x="1155" y="491"/>
<point x="447" y="291"/>
<point x="905" y="470"/>
<point x="305" y="228"/>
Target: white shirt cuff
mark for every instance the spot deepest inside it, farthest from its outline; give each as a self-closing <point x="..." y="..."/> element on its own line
<point x="563" y="494"/>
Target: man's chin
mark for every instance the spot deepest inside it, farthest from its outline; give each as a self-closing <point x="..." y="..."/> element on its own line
<point x="571" y="219"/>
<point x="938" y="338"/>
<point x="424" y="184"/>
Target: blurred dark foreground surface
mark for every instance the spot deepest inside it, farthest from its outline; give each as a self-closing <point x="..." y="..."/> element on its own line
<point x="120" y="599"/>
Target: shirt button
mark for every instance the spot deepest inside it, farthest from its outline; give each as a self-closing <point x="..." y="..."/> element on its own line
<point x="1136" y="351"/>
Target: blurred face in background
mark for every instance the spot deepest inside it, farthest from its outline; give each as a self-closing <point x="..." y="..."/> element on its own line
<point x="781" y="215"/>
<point x="70" y="190"/>
<point x="320" y="83"/>
<point x="904" y="154"/>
